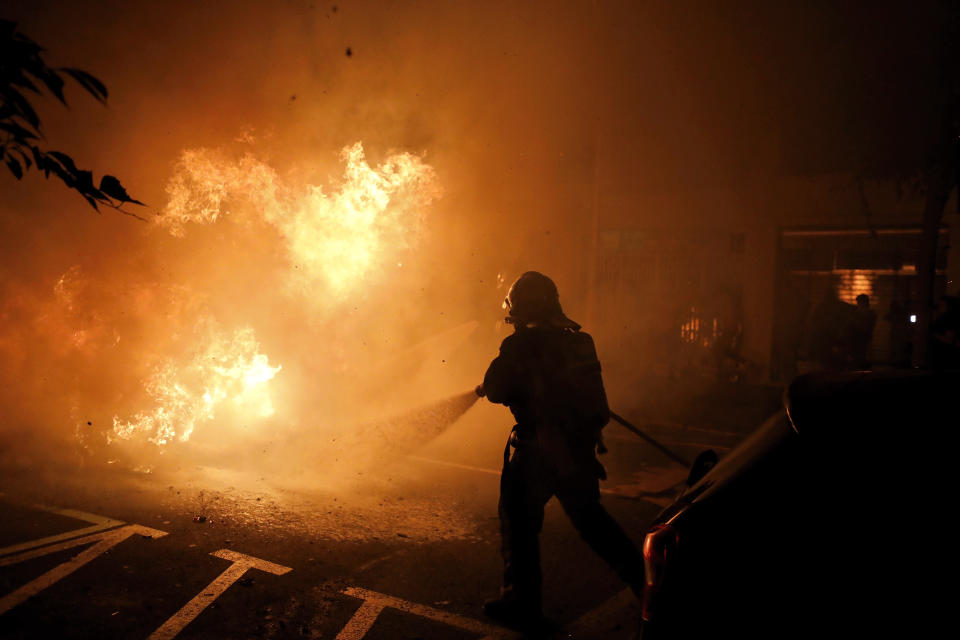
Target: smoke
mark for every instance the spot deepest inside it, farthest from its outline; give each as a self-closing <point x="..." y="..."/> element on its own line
<point x="266" y="314"/>
<point x="239" y="123"/>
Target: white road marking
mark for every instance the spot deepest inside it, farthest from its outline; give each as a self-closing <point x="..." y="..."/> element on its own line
<point x="241" y="563"/>
<point x="105" y="540"/>
<point x="355" y="629"/>
<point x="361" y="622"/>
<point x="374" y="602"/>
<point x="99" y="523"/>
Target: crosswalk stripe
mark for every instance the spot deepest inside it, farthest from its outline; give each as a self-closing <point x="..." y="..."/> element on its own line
<point x="99" y="523"/>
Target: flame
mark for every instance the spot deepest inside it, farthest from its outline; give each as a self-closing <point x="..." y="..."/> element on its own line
<point x="331" y="239"/>
<point x="203" y="179"/>
<point x="229" y="370"/>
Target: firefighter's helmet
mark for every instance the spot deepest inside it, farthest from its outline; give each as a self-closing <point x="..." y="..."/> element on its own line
<point x="534" y="300"/>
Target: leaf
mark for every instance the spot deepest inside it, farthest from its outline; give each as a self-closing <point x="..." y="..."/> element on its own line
<point x="15" y="168"/>
<point x="85" y="183"/>
<point x="56" y="166"/>
<point x="20" y="105"/>
<point x="24" y="158"/>
<point x="21" y="80"/>
<point x="91" y="201"/>
<point x="38" y="156"/>
<point x="89" y="82"/>
<point x="54" y="84"/>
<point x="65" y="160"/>
<point x="20" y="134"/>
<point x="23" y="69"/>
<point x="112" y="187"/>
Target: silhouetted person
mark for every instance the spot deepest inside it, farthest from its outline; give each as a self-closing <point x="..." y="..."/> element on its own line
<point x="549" y="376"/>
<point x="860" y="333"/>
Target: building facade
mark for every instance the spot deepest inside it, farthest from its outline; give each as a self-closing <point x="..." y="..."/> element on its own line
<point x="737" y="297"/>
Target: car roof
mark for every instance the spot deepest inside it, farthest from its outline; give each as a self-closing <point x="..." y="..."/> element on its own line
<point x="842" y="407"/>
<point x="819" y="401"/>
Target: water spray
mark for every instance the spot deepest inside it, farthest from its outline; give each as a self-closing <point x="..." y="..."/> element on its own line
<point x="447" y="411"/>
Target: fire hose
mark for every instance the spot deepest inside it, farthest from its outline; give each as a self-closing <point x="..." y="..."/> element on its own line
<point x="656" y="445"/>
<point x="617" y="418"/>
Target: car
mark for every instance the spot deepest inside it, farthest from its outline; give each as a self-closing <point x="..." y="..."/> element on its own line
<point x="829" y="520"/>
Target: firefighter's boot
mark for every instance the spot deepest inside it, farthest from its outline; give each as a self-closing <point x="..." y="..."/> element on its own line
<point x="515" y="613"/>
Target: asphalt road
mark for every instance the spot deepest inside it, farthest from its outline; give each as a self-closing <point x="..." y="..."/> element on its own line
<point x="410" y="550"/>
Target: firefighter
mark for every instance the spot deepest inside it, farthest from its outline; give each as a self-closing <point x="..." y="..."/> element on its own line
<point x="548" y="374"/>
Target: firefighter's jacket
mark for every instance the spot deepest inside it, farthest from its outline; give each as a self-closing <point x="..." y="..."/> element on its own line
<point x="550" y="379"/>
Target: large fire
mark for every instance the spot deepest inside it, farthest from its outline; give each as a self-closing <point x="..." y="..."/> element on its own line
<point x="330" y="241"/>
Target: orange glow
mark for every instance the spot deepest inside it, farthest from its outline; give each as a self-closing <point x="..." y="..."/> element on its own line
<point x="854" y="282"/>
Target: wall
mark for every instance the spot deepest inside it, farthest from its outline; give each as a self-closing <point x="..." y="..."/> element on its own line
<point x="691" y="231"/>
